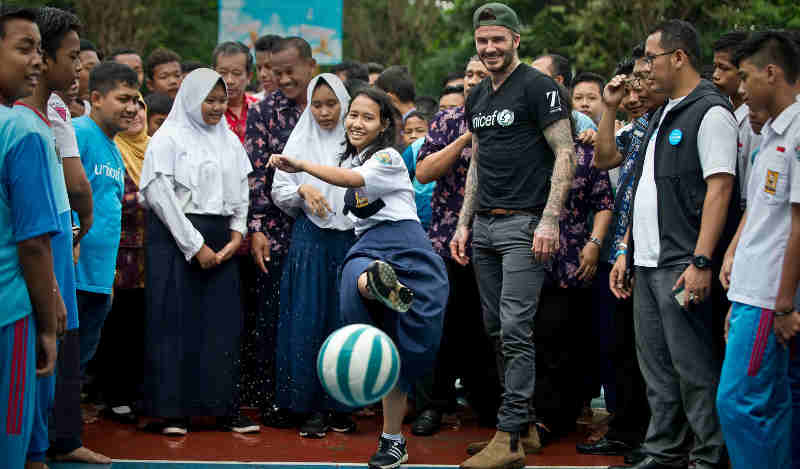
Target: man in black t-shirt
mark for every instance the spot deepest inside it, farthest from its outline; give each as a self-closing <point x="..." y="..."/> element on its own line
<point x="519" y="176"/>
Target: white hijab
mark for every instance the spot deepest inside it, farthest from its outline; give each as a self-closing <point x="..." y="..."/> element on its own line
<point x="310" y="142"/>
<point x="184" y="143"/>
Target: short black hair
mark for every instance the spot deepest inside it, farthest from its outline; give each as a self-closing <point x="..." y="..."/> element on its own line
<point x="124" y="51"/>
<point x="398" y="81"/>
<point x="108" y="75"/>
<point x="771" y="47"/>
<point x="158" y="103"/>
<point x="266" y="43"/>
<point x="590" y="77"/>
<point x="89" y="45"/>
<point x="54" y="24"/>
<point x="232" y="48"/>
<point x="729" y="42"/>
<point x="624" y="67"/>
<point x="160" y="56"/>
<point x="353" y="85"/>
<point x="561" y="66"/>
<point x="188" y="66"/>
<point x="9" y="13"/>
<point x="451" y="90"/>
<point x="454" y="75"/>
<point x="427" y="105"/>
<point x="638" y="51"/>
<point x="375" y="67"/>
<point x="297" y="43"/>
<point x="353" y="69"/>
<point x="417" y="113"/>
<point x="679" y="34"/>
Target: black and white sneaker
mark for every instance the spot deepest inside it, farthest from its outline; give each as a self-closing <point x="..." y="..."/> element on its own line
<point x="315" y="426"/>
<point x="383" y="284"/>
<point x="240" y="424"/>
<point x="391" y="454"/>
<point x="341" y="423"/>
<point x="175" y="427"/>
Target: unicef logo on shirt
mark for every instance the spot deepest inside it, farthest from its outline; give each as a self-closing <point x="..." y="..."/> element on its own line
<point x="506" y="117"/>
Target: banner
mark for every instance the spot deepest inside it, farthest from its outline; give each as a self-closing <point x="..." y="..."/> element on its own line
<point x="317" y="21"/>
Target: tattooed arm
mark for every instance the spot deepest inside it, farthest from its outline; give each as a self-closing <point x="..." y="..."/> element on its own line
<point x="545" y="238"/>
<point x="458" y="244"/>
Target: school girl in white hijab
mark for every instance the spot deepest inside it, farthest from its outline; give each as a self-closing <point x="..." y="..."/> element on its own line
<point x="321" y="238"/>
<point x="194" y="181"/>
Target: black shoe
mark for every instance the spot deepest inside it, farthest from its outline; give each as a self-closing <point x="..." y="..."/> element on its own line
<point x="635" y="456"/>
<point x="391" y="454"/>
<point x="383" y="284"/>
<point x="427" y="423"/>
<point x="646" y="463"/>
<point x="120" y="414"/>
<point x="341" y="423"/>
<point x="239" y="424"/>
<point x="316" y="426"/>
<point x="278" y="418"/>
<point x="175" y="427"/>
<point x="604" y="447"/>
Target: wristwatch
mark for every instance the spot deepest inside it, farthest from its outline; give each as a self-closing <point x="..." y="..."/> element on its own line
<point x="701" y="262"/>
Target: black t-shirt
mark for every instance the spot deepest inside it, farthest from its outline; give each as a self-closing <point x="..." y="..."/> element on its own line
<point x="515" y="162"/>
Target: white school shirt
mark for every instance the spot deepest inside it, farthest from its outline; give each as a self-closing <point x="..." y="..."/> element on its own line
<point x="773" y="187"/>
<point x="743" y="152"/>
<point x="386" y="178"/>
<point x="61" y="123"/>
<point x="716" y="147"/>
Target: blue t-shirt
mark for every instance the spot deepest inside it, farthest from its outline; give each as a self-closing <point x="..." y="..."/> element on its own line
<point x="423" y="193"/>
<point x="61" y="243"/>
<point x="27" y="209"/>
<point x="106" y="172"/>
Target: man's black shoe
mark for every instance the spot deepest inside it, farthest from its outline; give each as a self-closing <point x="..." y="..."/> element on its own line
<point x="390" y="455"/>
<point x="635" y="456"/>
<point x="276" y="417"/>
<point x="427" y="423"/>
<point x="604" y="447"/>
<point x="646" y="463"/>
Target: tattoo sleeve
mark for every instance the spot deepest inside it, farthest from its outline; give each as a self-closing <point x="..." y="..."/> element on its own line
<point x="470" y="188"/>
<point x="559" y="136"/>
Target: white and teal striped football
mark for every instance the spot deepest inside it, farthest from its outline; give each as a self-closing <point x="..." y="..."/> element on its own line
<point x="358" y="365"/>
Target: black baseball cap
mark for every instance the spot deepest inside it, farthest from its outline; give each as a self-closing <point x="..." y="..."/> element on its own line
<point x="496" y="14"/>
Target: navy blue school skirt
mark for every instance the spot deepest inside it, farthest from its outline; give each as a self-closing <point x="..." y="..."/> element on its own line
<point x="193" y="325"/>
<point x="309" y="312"/>
<point x="417" y="332"/>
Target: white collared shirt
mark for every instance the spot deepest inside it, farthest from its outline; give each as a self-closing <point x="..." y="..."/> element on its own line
<point x="773" y="187"/>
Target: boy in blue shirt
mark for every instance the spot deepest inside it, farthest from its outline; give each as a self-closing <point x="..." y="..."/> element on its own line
<point x="27" y="221"/>
<point x="114" y="92"/>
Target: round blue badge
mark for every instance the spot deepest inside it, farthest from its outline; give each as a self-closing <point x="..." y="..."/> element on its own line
<point x="675" y="137"/>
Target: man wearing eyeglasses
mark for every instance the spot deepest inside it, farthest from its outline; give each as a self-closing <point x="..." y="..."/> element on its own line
<point x="682" y="191"/>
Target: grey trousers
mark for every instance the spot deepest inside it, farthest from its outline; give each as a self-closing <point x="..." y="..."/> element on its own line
<point x="510" y="282"/>
<point x="681" y="369"/>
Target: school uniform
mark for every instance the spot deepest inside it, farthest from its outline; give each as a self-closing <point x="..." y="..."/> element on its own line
<point x="754" y="398"/>
<point x="385" y="218"/>
<point x="309" y="291"/>
<point x="194" y="180"/>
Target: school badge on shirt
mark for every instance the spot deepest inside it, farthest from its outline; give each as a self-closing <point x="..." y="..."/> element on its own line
<point x="771" y="184"/>
<point x="384" y="158"/>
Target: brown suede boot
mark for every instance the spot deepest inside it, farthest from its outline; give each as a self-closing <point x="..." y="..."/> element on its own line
<point x="530" y="443"/>
<point x="504" y="451"/>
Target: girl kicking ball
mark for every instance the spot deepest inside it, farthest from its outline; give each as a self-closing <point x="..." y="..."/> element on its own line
<point x="391" y="277"/>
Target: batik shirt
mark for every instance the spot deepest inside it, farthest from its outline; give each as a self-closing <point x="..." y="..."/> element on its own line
<point x="448" y="196"/>
<point x="269" y="124"/>
<point x="590" y="193"/>
<point x="629" y="144"/>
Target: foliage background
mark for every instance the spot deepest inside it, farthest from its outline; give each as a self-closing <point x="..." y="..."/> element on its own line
<point x="434" y="37"/>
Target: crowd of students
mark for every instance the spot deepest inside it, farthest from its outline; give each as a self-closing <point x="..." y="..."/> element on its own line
<point x="185" y="253"/>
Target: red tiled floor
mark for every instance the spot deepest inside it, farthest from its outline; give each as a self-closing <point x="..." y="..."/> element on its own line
<point x="273" y="445"/>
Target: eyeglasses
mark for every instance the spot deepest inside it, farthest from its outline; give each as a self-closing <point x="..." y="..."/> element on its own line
<point x="648" y="59"/>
